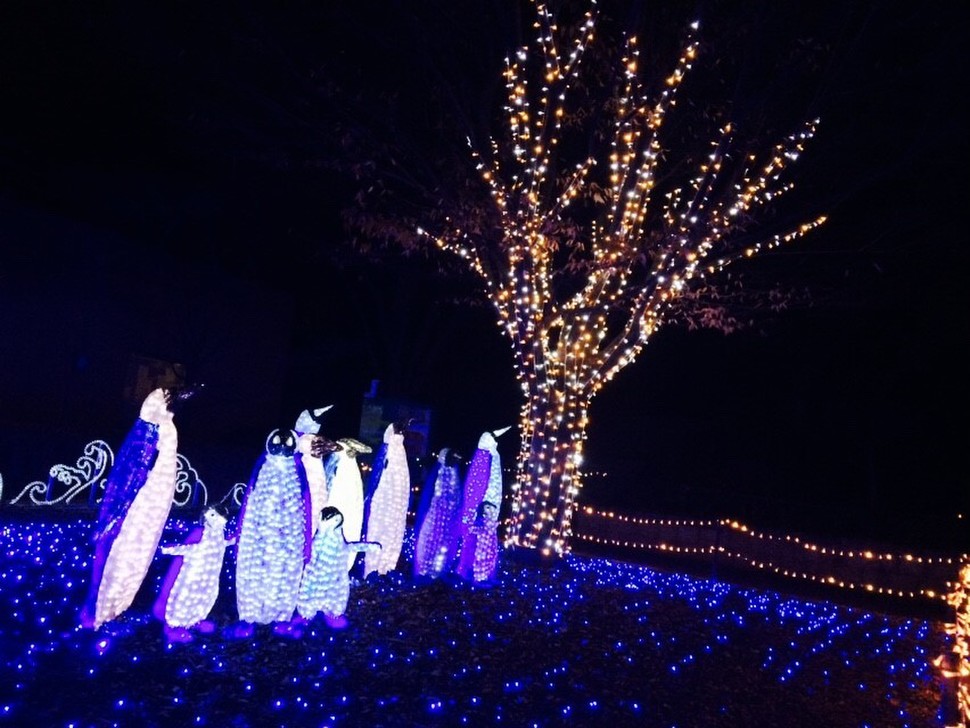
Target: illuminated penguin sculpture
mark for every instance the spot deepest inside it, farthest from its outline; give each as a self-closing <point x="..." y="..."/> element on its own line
<point x="137" y="500"/>
<point x="347" y="489"/>
<point x="483" y="482"/>
<point x="479" y="555"/>
<point x="314" y="450"/>
<point x="274" y="534"/>
<point x="437" y="515"/>
<point x="191" y="586"/>
<point x="325" y="587"/>
<point x="387" y="508"/>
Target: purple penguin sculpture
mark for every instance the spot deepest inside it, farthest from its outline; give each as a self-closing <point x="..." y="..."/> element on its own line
<point x="483" y="483"/>
<point x="479" y="555"/>
<point x="436" y="545"/>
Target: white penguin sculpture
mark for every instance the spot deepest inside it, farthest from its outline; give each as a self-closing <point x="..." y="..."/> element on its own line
<point x="274" y="534"/>
<point x="326" y="583"/>
<point x="137" y="500"/>
<point x="191" y="586"/>
<point x="388" y="506"/>
<point x="308" y="444"/>
<point x="347" y="489"/>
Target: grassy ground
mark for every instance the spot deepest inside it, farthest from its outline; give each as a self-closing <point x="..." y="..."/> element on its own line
<point x="585" y="642"/>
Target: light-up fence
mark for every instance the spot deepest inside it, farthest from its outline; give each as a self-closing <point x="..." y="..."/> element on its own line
<point x="930" y="579"/>
<point x="729" y="543"/>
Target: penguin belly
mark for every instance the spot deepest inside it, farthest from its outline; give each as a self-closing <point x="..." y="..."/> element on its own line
<point x="388" y="516"/>
<point x="326" y="584"/>
<point x="196" y="587"/>
<point x="347" y="496"/>
<point x="271" y="552"/>
<point x="316" y="480"/>
<point x="433" y="550"/>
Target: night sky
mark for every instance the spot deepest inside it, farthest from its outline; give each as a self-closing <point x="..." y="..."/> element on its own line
<point x="188" y="146"/>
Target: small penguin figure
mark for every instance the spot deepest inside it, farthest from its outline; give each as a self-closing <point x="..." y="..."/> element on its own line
<point x="436" y="547"/>
<point x="314" y="450"/>
<point x="137" y="500"/>
<point x="347" y="489"/>
<point x="191" y="586"/>
<point x="274" y="534"/>
<point x="483" y="482"/>
<point x="479" y="556"/>
<point x="326" y="583"/>
<point x="387" y="507"/>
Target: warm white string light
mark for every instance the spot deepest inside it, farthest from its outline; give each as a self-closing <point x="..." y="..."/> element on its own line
<point x="566" y="350"/>
<point x="956" y="665"/>
<point x="827" y="564"/>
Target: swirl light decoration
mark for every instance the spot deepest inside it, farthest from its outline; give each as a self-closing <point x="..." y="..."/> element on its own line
<point x="631" y="263"/>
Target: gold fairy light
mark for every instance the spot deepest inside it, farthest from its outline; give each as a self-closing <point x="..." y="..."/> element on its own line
<point x="955" y="666"/>
<point x="566" y="349"/>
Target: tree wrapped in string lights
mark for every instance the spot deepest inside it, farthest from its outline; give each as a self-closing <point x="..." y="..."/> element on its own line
<point x="579" y="293"/>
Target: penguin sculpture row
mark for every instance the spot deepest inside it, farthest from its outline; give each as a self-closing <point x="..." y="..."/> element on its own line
<point x="457" y="525"/>
<point x="303" y="520"/>
<point x="293" y="559"/>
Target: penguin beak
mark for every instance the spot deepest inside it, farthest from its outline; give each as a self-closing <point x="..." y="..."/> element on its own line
<point x="501" y="431"/>
<point x="189" y="392"/>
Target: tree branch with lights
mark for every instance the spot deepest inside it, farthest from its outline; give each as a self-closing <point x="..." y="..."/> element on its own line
<point x="579" y="297"/>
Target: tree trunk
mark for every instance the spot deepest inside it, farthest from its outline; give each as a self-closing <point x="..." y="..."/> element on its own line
<point x="548" y="471"/>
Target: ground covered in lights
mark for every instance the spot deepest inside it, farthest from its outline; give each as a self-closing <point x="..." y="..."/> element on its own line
<point x="586" y="642"/>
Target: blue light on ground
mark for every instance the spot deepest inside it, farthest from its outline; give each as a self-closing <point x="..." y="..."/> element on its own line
<point x="537" y="648"/>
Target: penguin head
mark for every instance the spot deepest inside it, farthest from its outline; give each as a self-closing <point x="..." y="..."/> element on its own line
<point x="331" y="518"/>
<point x="394" y="432"/>
<point x="213" y="517"/>
<point x="487" y="512"/>
<point x="443" y="455"/>
<point x="488" y="439"/>
<point x="311" y="419"/>
<point x="281" y="442"/>
<point x="176" y="396"/>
